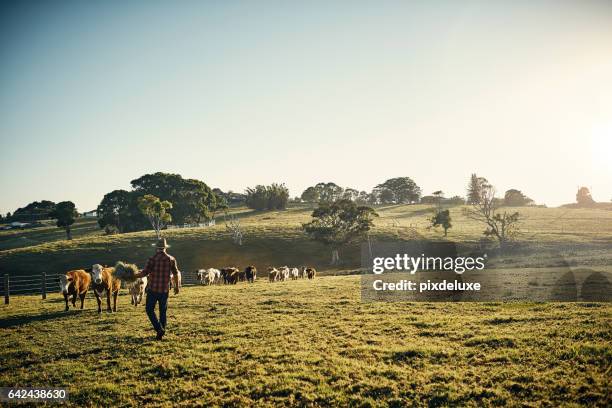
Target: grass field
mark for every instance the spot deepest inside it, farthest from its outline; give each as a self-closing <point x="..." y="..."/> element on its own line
<point x="312" y="343"/>
<point x="549" y="237"/>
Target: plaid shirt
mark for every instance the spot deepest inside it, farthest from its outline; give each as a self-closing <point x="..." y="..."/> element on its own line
<point x="158" y="269"/>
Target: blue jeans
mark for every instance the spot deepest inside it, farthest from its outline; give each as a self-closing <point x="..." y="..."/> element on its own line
<point x="152" y="299"/>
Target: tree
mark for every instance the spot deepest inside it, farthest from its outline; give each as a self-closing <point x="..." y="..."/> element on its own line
<point x="385" y="196"/>
<point x="339" y="223"/>
<point x="278" y="196"/>
<point x="442" y="218"/>
<point x="272" y="197"/>
<point x="474" y="189"/>
<point x="404" y="190"/>
<point x="363" y="198"/>
<point x="350" y="194"/>
<point x="37" y="210"/>
<point x="310" y="195"/>
<point x="329" y="192"/>
<point x="65" y="213"/>
<point x="156" y="211"/>
<point x="502" y="226"/>
<point x="119" y="211"/>
<point x="583" y="197"/>
<point x="257" y="197"/>
<point x="220" y="205"/>
<point x="515" y="198"/>
<point x="192" y="199"/>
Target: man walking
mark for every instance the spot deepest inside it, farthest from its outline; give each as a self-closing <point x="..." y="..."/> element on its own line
<point x="158" y="269"/>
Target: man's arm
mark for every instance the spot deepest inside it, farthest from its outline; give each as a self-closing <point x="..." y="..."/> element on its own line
<point x="176" y="274"/>
<point x="147" y="269"/>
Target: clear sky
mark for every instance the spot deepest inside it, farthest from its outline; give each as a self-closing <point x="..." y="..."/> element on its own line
<point x="95" y="94"/>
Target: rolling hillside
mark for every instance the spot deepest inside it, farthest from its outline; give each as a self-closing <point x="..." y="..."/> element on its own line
<point x="549" y="237"/>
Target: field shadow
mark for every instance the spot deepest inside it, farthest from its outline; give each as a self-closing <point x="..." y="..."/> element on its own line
<point x="23" y="320"/>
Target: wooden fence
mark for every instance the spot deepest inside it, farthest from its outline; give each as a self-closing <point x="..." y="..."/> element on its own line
<point x="49" y="283"/>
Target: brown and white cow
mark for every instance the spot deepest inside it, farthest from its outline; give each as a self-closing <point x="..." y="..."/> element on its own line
<point x="284" y="273"/>
<point x="104" y="281"/>
<point x="273" y="274"/>
<point x="75" y="283"/>
<point x="137" y="289"/>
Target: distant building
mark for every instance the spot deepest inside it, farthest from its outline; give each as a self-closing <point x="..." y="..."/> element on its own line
<point x="91" y="214"/>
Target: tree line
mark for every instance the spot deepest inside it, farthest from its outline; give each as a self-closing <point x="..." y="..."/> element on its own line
<point x="157" y="199"/>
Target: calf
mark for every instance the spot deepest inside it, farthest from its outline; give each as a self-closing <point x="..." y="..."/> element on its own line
<point x="104" y="281"/>
<point x="137" y="289"/>
<point x="75" y="283"/>
<point x="251" y="273"/>
<point x="295" y="273"/>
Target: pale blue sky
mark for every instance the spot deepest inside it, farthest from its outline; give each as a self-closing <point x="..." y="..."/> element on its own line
<point x="95" y="94"/>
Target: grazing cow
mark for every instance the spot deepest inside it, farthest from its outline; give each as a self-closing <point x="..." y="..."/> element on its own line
<point x="137" y="290"/>
<point x="310" y="272"/>
<point x="230" y="275"/>
<point x="251" y="273"/>
<point x="75" y="283"/>
<point x="303" y="273"/>
<point x="295" y="273"/>
<point x="273" y="274"/>
<point x="104" y="281"/>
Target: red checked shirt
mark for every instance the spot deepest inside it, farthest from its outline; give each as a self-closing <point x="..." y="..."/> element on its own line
<point x="158" y="269"/>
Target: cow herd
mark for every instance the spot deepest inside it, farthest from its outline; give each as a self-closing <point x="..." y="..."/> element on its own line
<point x="233" y="275"/>
<point x="76" y="283"/>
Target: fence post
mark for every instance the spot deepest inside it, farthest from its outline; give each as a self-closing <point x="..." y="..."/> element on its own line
<point x="44" y="285"/>
<point x="6" y="288"/>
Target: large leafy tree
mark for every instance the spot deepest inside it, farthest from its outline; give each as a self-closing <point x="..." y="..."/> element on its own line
<point x="192" y="199"/>
<point x="310" y="195"/>
<point x="119" y="211"/>
<point x="272" y="197"/>
<point x="65" y="213"/>
<point x="156" y="210"/>
<point x="278" y="196"/>
<point x="339" y="223"/>
<point x="515" y="198"/>
<point x="37" y="210"/>
<point x="329" y="192"/>
<point x="404" y="190"/>
<point x="257" y="197"/>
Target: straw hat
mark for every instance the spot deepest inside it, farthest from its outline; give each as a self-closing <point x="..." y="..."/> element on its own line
<point x="162" y="244"/>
